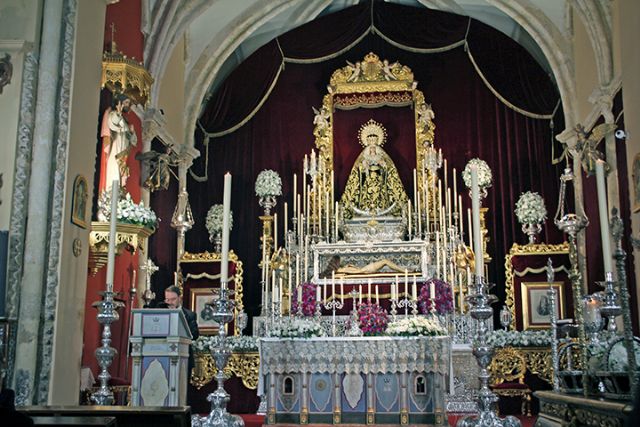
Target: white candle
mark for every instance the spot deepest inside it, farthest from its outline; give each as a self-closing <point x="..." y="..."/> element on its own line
<point x="415" y="189"/>
<point x="394" y="291"/>
<point x="297" y="269"/>
<point x="470" y="228"/>
<point x="455" y="191"/>
<point x="324" y="290"/>
<point x="333" y="284"/>
<point x="414" y="289"/>
<point x="304" y="187"/>
<point x="299" y="297"/>
<point x="326" y="216"/>
<point x="342" y="291"/>
<point x="369" y="290"/>
<point x="604" y="217"/>
<point x="111" y="258"/>
<point x="460" y="219"/>
<point x="419" y="216"/>
<point x="396" y="288"/>
<point x="406" y="282"/>
<point x="280" y="286"/>
<point x="359" y="294"/>
<point x="425" y="183"/>
<point x="318" y="293"/>
<point x="475" y="207"/>
<point x="175" y="279"/>
<point x="273" y="286"/>
<point x="286" y="223"/>
<point x="275" y="232"/>
<point x="290" y="287"/>
<point x="295" y="192"/>
<point x="377" y="296"/>
<point x="409" y="213"/>
<point x="432" y="290"/>
<point x="437" y="254"/>
<point x="226" y="215"/>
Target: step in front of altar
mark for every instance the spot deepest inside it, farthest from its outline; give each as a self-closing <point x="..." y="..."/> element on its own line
<point x="356" y="381"/>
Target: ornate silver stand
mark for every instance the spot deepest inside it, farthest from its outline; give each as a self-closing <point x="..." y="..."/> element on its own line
<point x="107" y="314"/>
<point x="219" y="417"/>
<point x="555" y="357"/>
<point x="481" y="310"/>
<point x="333" y="305"/>
<point x="610" y="307"/>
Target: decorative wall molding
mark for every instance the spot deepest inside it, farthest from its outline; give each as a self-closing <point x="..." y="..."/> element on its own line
<point x="57" y="212"/>
<point x="20" y="197"/>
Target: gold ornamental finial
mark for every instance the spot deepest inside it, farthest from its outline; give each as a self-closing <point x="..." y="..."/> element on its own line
<point x="369" y="130"/>
<point x="113" y="37"/>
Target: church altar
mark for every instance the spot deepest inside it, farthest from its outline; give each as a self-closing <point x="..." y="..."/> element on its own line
<point x="362" y="380"/>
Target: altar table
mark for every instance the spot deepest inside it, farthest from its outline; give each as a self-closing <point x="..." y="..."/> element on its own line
<point x="362" y="380"/>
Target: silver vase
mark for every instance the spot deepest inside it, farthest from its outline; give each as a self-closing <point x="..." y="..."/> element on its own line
<point x="532" y="230"/>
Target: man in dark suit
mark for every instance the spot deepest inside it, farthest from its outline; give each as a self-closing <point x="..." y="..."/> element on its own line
<point x="172" y="298"/>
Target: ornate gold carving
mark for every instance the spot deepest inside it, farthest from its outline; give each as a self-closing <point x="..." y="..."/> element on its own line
<point x="125" y="75"/>
<point x="243" y="365"/>
<point x="539" y="362"/>
<point x="381" y="82"/>
<point x="237" y="277"/>
<point x="507" y="365"/>
<point x="529" y="249"/>
<point x="128" y="236"/>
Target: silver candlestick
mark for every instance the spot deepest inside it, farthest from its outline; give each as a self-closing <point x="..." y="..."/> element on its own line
<point x="406" y="304"/>
<point x="354" y="322"/>
<point x="555" y="357"/>
<point x="480" y="302"/>
<point x="219" y="417"/>
<point x="394" y="312"/>
<point x="610" y="307"/>
<point x="333" y="305"/>
<point x="107" y="314"/>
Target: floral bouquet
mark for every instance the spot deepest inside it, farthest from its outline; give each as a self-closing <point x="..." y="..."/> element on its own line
<point x="214" y="219"/>
<point x="128" y="211"/>
<point x="268" y="184"/>
<point x="236" y="343"/>
<point x="308" y="300"/>
<point x="530" y="208"/>
<point x="485" y="178"/>
<point x="416" y="326"/>
<point x="294" y="327"/>
<point x="373" y="319"/>
<point x="502" y="338"/>
<point x="443" y="297"/>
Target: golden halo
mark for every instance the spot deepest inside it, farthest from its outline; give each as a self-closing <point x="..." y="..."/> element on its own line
<point x="372" y="128"/>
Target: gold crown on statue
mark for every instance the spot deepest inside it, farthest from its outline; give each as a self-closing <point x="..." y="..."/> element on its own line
<point x="372" y="128"/>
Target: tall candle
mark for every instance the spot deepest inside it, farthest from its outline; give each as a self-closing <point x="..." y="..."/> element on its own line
<point x="415" y="189"/>
<point x="414" y="289"/>
<point x="359" y="294"/>
<point x="286" y="223"/>
<point x="426" y="200"/>
<point x="295" y="192"/>
<point x="304" y="187"/>
<point x="419" y="215"/>
<point x="111" y="258"/>
<point x="290" y="287"/>
<point x="460" y="218"/>
<point x="369" y="290"/>
<point x="300" y="297"/>
<point x="275" y="232"/>
<point x="280" y="286"/>
<point x="396" y="288"/>
<point x="226" y="215"/>
<point x="318" y="292"/>
<point x="445" y="172"/>
<point x="455" y="191"/>
<point x="336" y="215"/>
<point x="297" y="269"/>
<point x="333" y="284"/>
<point x="604" y="217"/>
<point x="432" y="290"/>
<point x="406" y="282"/>
<point x="326" y="217"/>
<point x="377" y="296"/>
<point x="409" y="214"/>
<point x="274" y="294"/>
<point x="342" y="291"/>
<point x="470" y="228"/>
<point x="475" y="207"/>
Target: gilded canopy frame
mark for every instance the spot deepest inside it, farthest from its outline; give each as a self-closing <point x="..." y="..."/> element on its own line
<point x="374" y="82"/>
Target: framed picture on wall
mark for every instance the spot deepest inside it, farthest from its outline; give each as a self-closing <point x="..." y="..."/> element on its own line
<point x="198" y="304"/>
<point x="79" y="202"/>
<point x="536" y="309"/>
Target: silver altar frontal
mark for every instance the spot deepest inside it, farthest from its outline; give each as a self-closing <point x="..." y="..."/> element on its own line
<point x="160" y="349"/>
<point x="381" y="261"/>
<point x="363" y="380"/>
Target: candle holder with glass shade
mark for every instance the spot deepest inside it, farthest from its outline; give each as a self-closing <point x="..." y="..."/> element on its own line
<point x="505" y="318"/>
<point x="593" y="321"/>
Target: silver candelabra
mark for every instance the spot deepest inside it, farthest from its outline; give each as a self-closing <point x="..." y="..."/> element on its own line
<point x="480" y="302"/>
<point x="333" y="305"/>
<point x="219" y="417"/>
<point x="107" y="314"/>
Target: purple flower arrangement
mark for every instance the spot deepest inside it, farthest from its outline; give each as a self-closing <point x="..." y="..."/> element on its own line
<point x="443" y="297"/>
<point x="308" y="299"/>
<point x="373" y="319"/>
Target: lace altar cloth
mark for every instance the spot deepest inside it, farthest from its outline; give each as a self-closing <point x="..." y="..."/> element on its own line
<point x="355" y="355"/>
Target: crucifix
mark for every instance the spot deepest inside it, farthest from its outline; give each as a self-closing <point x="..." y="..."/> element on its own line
<point x="149" y="268"/>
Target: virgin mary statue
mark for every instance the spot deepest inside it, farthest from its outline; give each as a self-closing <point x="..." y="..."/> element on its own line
<point x="373" y="188"/>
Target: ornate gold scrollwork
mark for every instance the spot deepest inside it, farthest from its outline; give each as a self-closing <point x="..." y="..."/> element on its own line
<point x="373" y="82"/>
<point x="128" y="236"/>
<point x="529" y="249"/>
<point x="243" y="365"/>
<point x="237" y="277"/>
<point x="125" y="75"/>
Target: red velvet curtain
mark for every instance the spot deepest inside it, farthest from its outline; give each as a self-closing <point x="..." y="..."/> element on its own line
<point x="470" y="121"/>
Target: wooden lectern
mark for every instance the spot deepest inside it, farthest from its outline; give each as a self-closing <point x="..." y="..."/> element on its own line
<point x="160" y="350"/>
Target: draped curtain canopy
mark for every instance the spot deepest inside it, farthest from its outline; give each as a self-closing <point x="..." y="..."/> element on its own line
<point x="491" y="100"/>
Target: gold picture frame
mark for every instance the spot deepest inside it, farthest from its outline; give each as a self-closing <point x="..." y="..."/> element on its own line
<point x="635" y="176"/>
<point x="79" y="201"/>
<point x="199" y="297"/>
<point x="535" y="304"/>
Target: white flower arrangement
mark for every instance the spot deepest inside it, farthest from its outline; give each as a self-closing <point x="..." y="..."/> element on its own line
<point x="530" y="208"/>
<point x="296" y="328"/>
<point x="236" y="343"/>
<point x="129" y="212"/>
<point x="268" y="183"/>
<point x="416" y="326"/>
<point x="214" y="219"/>
<point x="502" y="338"/>
<point x="485" y="177"/>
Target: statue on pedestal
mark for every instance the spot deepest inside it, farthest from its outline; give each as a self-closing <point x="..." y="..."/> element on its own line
<point x="373" y="187"/>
